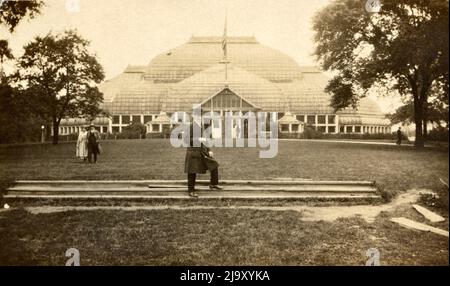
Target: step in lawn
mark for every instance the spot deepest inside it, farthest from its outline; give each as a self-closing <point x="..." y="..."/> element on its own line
<point x="177" y="189"/>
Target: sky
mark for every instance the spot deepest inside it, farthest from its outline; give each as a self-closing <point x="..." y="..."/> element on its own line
<point x="132" y="32"/>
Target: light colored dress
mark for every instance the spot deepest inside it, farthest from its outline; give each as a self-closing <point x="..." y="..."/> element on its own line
<point x="82" y="149"/>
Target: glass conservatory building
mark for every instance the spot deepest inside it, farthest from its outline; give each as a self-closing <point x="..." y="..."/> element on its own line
<point x="253" y="77"/>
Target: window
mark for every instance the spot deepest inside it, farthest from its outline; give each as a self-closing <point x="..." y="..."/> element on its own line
<point x="125" y="119"/>
<point x="321" y="119"/>
<point x="147" y="118"/>
<point x="285" y="127"/>
<point x="225" y="99"/>
<point x="311" y="119"/>
<point x="115" y="129"/>
<point x="300" y="118"/>
<point x="294" y="127"/>
<point x="115" y="119"/>
<point x="341" y="129"/>
<point x="136" y="119"/>
<point x="331" y="129"/>
<point x="348" y="129"/>
<point x="331" y="119"/>
<point x="155" y="127"/>
<point x="321" y="129"/>
<point x="357" y="129"/>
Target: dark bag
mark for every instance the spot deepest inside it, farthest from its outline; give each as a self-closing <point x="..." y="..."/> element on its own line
<point x="210" y="162"/>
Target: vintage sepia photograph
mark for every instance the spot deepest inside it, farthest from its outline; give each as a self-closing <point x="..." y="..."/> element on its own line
<point x="224" y="133"/>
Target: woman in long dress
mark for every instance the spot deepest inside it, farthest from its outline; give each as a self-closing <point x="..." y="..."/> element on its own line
<point x="82" y="150"/>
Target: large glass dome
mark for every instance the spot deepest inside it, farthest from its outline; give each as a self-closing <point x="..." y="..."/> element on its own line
<point x="201" y="53"/>
<point x="195" y="71"/>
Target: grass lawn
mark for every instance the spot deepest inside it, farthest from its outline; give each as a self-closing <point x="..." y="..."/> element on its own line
<point x="395" y="168"/>
<point x="220" y="236"/>
<point x="209" y="237"/>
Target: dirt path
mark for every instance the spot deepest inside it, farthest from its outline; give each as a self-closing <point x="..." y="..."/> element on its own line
<point x="328" y="213"/>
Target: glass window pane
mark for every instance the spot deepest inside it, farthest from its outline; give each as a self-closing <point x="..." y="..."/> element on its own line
<point x="136" y="119"/>
<point x="147" y="118"/>
<point x="125" y="119"/>
<point x="331" y="119"/>
<point x="321" y="119"/>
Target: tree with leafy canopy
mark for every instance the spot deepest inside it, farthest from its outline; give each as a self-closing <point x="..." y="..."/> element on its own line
<point x="12" y="12"/>
<point x="5" y="51"/>
<point x="59" y="75"/>
<point x="17" y="119"/>
<point x="437" y="113"/>
<point x="404" y="46"/>
<point x="5" y="54"/>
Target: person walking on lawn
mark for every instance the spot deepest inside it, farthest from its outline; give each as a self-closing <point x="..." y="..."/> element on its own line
<point x="93" y="139"/>
<point x="399" y="136"/>
<point x="199" y="158"/>
<point x="81" y="149"/>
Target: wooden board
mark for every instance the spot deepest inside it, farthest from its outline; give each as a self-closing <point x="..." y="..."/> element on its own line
<point x="431" y="216"/>
<point x="418" y="226"/>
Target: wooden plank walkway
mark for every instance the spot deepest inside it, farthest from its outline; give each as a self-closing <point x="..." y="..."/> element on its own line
<point x="177" y="189"/>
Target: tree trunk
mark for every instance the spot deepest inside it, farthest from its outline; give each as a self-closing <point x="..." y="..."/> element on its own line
<point x="418" y="120"/>
<point x="425" y="119"/>
<point x="425" y="129"/>
<point x="55" y="132"/>
<point x="48" y="133"/>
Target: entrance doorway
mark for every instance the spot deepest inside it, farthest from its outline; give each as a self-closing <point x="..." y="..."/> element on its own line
<point x="227" y="101"/>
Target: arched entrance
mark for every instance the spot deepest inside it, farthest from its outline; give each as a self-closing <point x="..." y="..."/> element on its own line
<point x="225" y="101"/>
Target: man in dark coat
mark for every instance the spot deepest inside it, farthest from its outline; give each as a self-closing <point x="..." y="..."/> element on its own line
<point x="198" y="160"/>
<point x="399" y="136"/>
<point x="93" y="139"/>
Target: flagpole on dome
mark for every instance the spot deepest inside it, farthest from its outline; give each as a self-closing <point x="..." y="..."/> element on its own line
<point x="225" y="47"/>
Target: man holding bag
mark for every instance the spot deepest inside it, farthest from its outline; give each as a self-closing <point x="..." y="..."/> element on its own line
<point x="198" y="160"/>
